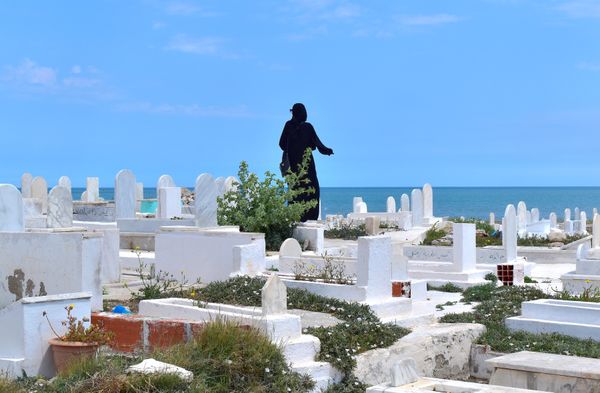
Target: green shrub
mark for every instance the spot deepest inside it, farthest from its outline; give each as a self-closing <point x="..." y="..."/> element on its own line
<point x="266" y="206"/>
<point x="479" y="293"/>
<point x="432" y="234"/>
<point x="448" y="287"/>
<point x="347" y="232"/>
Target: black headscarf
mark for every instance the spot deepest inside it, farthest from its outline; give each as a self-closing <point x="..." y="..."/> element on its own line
<point x="299" y="113"/>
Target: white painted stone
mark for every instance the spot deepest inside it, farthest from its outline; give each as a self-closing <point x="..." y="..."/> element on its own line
<point x="416" y="201"/>
<point x="492" y="219"/>
<point x="84" y="196"/>
<point x="274" y="296"/>
<point x="535" y="215"/>
<point x="427" y="201"/>
<point x="361" y="208"/>
<point x="355" y="202"/>
<point x="11" y="209"/>
<point x="151" y="366"/>
<point x="596" y="232"/>
<point x="290" y="248"/>
<point x="125" y="190"/>
<point x="391" y="205"/>
<point x="206" y="201"/>
<point x="111" y="262"/>
<point x="577" y="213"/>
<point x="220" y="182"/>
<point x="163" y="181"/>
<point x="39" y="190"/>
<point x="170" y="202"/>
<point x="594" y="211"/>
<point x="567" y="214"/>
<point x="139" y="191"/>
<point x="463" y="247"/>
<point x="509" y="234"/>
<point x="315" y="235"/>
<point x="405" y="203"/>
<point x="374" y="267"/>
<point x="522" y="218"/>
<point x="249" y="259"/>
<point x="64" y="181"/>
<point x="93" y="189"/>
<point x="60" y="208"/>
<point x="231" y="184"/>
<point x="26" y="180"/>
<point x="404" y="372"/>
<point x="553" y="220"/>
<point x="372" y="224"/>
<point x="582" y="223"/>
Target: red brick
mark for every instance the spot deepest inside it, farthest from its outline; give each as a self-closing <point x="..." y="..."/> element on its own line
<point x="165" y="333"/>
<point x="127" y="330"/>
<point x="195" y="328"/>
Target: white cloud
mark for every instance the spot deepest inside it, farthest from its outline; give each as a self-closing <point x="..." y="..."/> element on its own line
<point x="30" y="73"/>
<point x="587" y="66"/>
<point x="428" y="20"/>
<point x="199" y="45"/>
<point x="76" y="69"/>
<point x="194" y="110"/>
<point x="581" y="8"/>
<point x="182" y="8"/>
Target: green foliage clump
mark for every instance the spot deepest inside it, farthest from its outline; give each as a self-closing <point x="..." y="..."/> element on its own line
<point x="479" y="224"/>
<point x="267" y="206"/>
<point x="346" y="231"/>
<point x="503" y="302"/>
<point x="432" y="234"/>
<point x="543" y="241"/>
<point x="589" y="294"/>
<point x="479" y="293"/>
<point x="361" y="330"/>
<point x="448" y="287"/>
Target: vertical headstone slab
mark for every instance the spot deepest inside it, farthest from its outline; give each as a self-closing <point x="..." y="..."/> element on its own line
<point x="290" y="248"/>
<point x="509" y="233"/>
<point x="361" y="207"/>
<point x="64" y="181"/>
<point x="492" y="218"/>
<point x="567" y="214"/>
<point x="274" y="296"/>
<point x="206" y="201"/>
<point x="139" y="191"/>
<point x="93" y="189"/>
<point x="404" y="372"/>
<point x="170" y="202"/>
<point x="427" y="201"/>
<point x="26" y="180"/>
<point x="11" y="209"/>
<point x="163" y="181"/>
<point x="84" y="196"/>
<point x="355" y="202"/>
<point x="576" y="214"/>
<point x="220" y="182"/>
<point x="391" y="204"/>
<point x="463" y="247"/>
<point x="60" y="208"/>
<point x="535" y="215"/>
<point x="125" y="190"/>
<point x="405" y="203"/>
<point x="416" y="201"/>
<point x="372" y="224"/>
<point x="583" y="223"/>
<point x="553" y="220"/>
<point x="231" y="184"/>
<point x="521" y="217"/>
<point x="596" y="232"/>
<point x="594" y="211"/>
<point x="39" y="190"/>
<point x="374" y="266"/>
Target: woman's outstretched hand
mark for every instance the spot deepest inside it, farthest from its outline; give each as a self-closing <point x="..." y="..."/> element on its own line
<point x="329" y="152"/>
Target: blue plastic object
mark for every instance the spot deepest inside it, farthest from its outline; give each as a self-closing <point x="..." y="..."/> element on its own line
<point x="121" y="310"/>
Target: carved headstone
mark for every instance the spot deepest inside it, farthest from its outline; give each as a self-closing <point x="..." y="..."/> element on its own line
<point x="206" y="201"/>
<point x="11" y="209"/>
<point x="416" y="201"/>
<point x="125" y="189"/>
<point x="274" y="296"/>
<point x="405" y="203"/>
<point x="427" y="201"/>
<point x="39" y="190"/>
<point x="509" y="233"/>
<point x="60" y="208"/>
<point x="26" y="180"/>
<point x="391" y="205"/>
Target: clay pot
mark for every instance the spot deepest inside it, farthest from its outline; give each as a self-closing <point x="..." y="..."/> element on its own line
<point x="65" y="352"/>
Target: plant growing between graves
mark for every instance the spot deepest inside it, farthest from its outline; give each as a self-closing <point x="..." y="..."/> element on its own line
<point x="543" y="241"/>
<point x="332" y="272"/>
<point x="223" y="358"/>
<point x="360" y="330"/>
<point x="497" y="304"/>
<point x="346" y="231"/>
<point x="432" y="234"/>
<point x="448" y="287"/>
<point x="267" y="206"/>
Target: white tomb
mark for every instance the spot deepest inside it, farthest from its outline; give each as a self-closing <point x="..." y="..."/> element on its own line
<point x="587" y="267"/>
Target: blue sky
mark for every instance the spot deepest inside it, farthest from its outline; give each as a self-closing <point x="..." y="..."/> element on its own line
<point x="461" y="92"/>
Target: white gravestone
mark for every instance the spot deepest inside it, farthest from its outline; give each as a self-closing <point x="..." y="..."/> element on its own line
<point x="521" y="218"/>
<point x="391" y="205"/>
<point x="26" y="180"/>
<point x="594" y="211"/>
<point x="39" y="190"/>
<point x="567" y="214"/>
<point x="290" y="248"/>
<point x="404" y="372"/>
<point x="60" y="208"/>
<point x="416" y="202"/>
<point x="405" y="203"/>
<point x="596" y="232"/>
<point x="568" y="224"/>
<point x="163" y="181"/>
<point x="355" y="202"/>
<point x="11" y="209"/>
<point x="582" y="223"/>
<point x="125" y="189"/>
<point x="374" y="266"/>
<point x="509" y="234"/>
<point x="274" y="296"/>
<point x="206" y="201"/>
<point x="463" y="247"/>
<point x="220" y="182"/>
<point x="170" y="202"/>
<point x="553" y="220"/>
<point x="535" y="215"/>
<point x="528" y="215"/>
<point x="139" y="191"/>
<point x="492" y="218"/>
<point x="576" y="214"/>
<point x="361" y="207"/>
<point x="427" y="201"/>
<point x="231" y="184"/>
<point x="84" y="196"/>
<point x="64" y="181"/>
<point x="93" y="189"/>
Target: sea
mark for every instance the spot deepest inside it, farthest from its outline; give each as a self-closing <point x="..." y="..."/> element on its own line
<point x="476" y="202"/>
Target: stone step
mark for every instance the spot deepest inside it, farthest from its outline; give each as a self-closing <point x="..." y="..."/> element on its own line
<point x="301" y="349"/>
<point x="316" y="370"/>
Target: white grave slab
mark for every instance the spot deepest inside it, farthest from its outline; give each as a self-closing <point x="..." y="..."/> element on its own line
<point x="92" y="189"/>
<point x="206" y="201"/>
<point x="170" y="202"/>
<point x="11" y="209"/>
<point x="60" y="208"/>
<point x="39" y="190"/>
<point x="26" y="180"/>
<point x="125" y="198"/>
<point x="405" y="203"/>
<point x="417" y="207"/>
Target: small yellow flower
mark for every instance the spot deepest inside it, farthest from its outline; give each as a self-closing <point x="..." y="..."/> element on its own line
<point x="588" y="281"/>
<point x="71" y="306"/>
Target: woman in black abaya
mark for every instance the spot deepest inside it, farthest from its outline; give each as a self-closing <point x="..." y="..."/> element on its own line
<point x="297" y="136"/>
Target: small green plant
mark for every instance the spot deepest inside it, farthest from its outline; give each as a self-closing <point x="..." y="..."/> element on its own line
<point x="529" y="280"/>
<point x="158" y="284"/>
<point x="543" y="241"/>
<point x="432" y="234"/>
<point x="448" y="287"/>
<point x="479" y="293"/>
<point x="333" y="271"/>
<point x="270" y="206"/>
<point x="346" y="231"/>
<point x="589" y="294"/>
<point x="77" y="331"/>
<point x="441" y="307"/>
<point x="491" y="277"/>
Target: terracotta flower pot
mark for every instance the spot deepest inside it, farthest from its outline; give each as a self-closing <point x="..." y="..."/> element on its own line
<point x="65" y="352"/>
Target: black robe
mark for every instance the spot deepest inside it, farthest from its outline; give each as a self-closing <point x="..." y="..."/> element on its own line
<point x="297" y="136"/>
